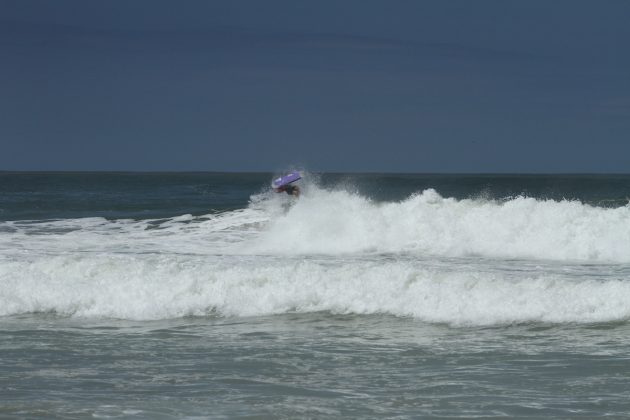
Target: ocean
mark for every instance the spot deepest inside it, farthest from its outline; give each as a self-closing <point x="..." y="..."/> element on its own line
<point x="207" y="295"/>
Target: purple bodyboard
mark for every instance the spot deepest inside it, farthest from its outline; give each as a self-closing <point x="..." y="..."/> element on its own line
<point x="286" y="179"/>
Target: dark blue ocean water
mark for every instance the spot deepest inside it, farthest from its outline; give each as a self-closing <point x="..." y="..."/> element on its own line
<point x="45" y="195"/>
<point x="180" y="295"/>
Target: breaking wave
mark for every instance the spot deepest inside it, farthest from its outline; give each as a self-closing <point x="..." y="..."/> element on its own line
<point x="340" y="222"/>
<point x="437" y="259"/>
<point x="158" y="287"/>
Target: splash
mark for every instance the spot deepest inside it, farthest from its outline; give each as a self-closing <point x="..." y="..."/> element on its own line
<point x="339" y="222"/>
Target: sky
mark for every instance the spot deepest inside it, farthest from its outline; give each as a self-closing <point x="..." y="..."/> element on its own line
<point x="348" y="86"/>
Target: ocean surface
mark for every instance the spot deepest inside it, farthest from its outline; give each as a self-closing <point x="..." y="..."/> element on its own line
<point x="207" y="295"/>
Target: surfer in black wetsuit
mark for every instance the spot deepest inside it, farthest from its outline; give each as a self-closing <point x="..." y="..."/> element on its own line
<point x="293" y="190"/>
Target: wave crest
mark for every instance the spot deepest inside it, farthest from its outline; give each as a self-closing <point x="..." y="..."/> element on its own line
<point x="332" y="222"/>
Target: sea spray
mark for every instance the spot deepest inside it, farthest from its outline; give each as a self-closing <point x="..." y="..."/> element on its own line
<point x="332" y="222"/>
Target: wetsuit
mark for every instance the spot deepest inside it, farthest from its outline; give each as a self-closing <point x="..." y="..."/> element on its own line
<point x="291" y="189"/>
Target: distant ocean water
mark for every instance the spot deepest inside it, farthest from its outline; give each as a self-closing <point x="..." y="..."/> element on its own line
<point x="181" y="295"/>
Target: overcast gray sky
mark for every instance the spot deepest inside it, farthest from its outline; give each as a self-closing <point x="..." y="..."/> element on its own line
<point x="355" y="85"/>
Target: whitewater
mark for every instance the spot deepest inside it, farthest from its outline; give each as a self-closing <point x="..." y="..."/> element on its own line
<point x="472" y="261"/>
<point x="207" y="295"/>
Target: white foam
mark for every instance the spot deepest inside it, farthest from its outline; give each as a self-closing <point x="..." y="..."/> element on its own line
<point x="330" y="251"/>
<point x="156" y="287"/>
<point x="339" y="222"/>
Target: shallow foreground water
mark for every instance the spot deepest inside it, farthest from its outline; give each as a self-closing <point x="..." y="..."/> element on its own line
<point x="313" y="365"/>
